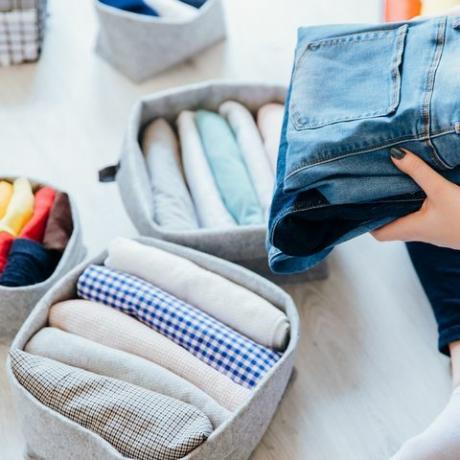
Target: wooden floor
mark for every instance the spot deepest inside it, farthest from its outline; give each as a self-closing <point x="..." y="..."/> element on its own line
<point x="368" y="374"/>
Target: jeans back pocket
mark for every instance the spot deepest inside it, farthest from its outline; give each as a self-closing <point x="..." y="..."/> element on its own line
<point x="345" y="78"/>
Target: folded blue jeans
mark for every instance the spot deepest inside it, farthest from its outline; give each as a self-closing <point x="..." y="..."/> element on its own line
<point x="357" y="91"/>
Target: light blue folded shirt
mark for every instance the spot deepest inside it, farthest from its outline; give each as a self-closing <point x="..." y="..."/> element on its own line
<point x="228" y="168"/>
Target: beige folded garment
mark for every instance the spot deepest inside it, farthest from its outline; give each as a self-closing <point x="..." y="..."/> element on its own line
<point x="221" y="298"/>
<point x="77" y="351"/>
<point x="270" y="121"/>
<point x="114" y="329"/>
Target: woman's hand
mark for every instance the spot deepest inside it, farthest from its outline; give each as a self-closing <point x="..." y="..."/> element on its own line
<point x="438" y="220"/>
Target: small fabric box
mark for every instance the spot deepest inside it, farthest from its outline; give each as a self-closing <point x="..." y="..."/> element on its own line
<point x="244" y="245"/>
<point x="141" y="46"/>
<point x="22" y="24"/>
<point x="49" y="435"/>
<point x="17" y="302"/>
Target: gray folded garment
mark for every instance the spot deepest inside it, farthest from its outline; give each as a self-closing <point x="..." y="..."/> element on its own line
<point x="139" y="423"/>
<point x="77" y="351"/>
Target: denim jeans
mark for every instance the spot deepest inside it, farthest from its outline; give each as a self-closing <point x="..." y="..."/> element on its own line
<point x="357" y="91"/>
<point x="439" y="272"/>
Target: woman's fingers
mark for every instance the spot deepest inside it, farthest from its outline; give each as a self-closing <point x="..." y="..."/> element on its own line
<point x="406" y="228"/>
<point x="427" y="178"/>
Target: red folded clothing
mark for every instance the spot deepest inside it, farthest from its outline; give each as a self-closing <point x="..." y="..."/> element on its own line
<point x="35" y="228"/>
<point x="6" y="240"/>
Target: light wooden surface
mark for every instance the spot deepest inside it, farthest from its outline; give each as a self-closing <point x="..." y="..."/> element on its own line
<point x="368" y="374"/>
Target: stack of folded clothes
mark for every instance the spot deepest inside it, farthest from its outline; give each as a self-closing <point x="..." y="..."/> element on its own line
<point x="34" y="231"/>
<point x="218" y="171"/>
<point x="175" y="9"/>
<point x="154" y="354"/>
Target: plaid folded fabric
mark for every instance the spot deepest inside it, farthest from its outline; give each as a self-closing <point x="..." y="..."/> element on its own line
<point x="139" y="423"/>
<point x="21" y="30"/>
<point x="222" y="348"/>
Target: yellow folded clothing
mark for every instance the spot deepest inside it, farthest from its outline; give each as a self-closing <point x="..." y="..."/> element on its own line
<point x="20" y="208"/>
<point x="6" y="191"/>
<point x="435" y="7"/>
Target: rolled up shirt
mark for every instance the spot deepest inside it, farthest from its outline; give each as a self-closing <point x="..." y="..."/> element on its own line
<point x="269" y="122"/>
<point x="28" y="263"/>
<point x="35" y="228"/>
<point x="133" y="6"/>
<point x="139" y="423"/>
<point x="234" y="305"/>
<point x="214" y="343"/>
<point x="173" y="207"/>
<point x="20" y="208"/>
<point x="59" y="226"/>
<point x="6" y="240"/>
<point x="173" y="9"/>
<point x="77" y="351"/>
<point x="6" y="192"/>
<point x="252" y="148"/>
<point x="210" y="208"/>
<point x="228" y="168"/>
<point x="115" y="329"/>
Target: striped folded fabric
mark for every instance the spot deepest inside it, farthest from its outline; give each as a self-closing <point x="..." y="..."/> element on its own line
<point x="241" y="359"/>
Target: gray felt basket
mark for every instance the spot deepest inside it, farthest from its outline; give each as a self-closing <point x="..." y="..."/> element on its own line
<point x="51" y="436"/>
<point x="244" y="245"/>
<point x="17" y="303"/>
<point x="141" y="46"/>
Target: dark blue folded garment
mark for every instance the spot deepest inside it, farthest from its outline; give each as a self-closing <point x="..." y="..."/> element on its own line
<point x="195" y="3"/>
<point x="28" y="263"/>
<point x="134" y="6"/>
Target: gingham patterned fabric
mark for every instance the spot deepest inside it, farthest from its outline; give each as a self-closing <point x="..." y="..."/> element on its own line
<point x="21" y="30"/>
<point x="139" y="423"/>
<point x="227" y="351"/>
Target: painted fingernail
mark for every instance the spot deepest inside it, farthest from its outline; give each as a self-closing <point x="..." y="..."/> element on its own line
<point x="397" y="154"/>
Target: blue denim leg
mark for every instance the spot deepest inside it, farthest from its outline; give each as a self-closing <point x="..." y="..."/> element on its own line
<point x="357" y="91"/>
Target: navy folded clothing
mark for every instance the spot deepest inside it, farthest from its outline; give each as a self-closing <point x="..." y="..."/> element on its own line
<point x="28" y="263"/>
<point x="195" y="3"/>
<point x="133" y="6"/>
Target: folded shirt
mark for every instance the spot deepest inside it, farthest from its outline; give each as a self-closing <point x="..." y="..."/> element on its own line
<point x="252" y="149"/>
<point x="209" y="206"/>
<point x="173" y="9"/>
<point x="194" y="3"/>
<point x="138" y="423"/>
<point x="20" y="207"/>
<point x="227" y="351"/>
<point x="59" y="226"/>
<point x="6" y="192"/>
<point x="6" y="240"/>
<point x="173" y="207"/>
<point x="335" y="179"/>
<point x="133" y="6"/>
<point x="82" y="353"/>
<point x="269" y="122"/>
<point x="35" y="227"/>
<point x="28" y="263"/>
<point x="234" y="305"/>
<point x="115" y="329"/>
<point x="228" y="168"/>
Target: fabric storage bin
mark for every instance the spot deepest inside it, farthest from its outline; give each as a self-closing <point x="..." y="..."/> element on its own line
<point x="244" y="245"/>
<point x="17" y="302"/>
<point x="22" y="24"/>
<point x="141" y="46"/>
<point x="49" y="435"/>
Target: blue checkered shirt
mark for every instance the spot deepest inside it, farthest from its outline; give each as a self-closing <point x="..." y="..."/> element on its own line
<point x="219" y="346"/>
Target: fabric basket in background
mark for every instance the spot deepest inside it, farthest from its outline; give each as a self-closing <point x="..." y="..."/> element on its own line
<point x="17" y="302"/>
<point x="50" y="435"/>
<point x="22" y="25"/>
<point x="244" y="245"/>
<point x="141" y="46"/>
